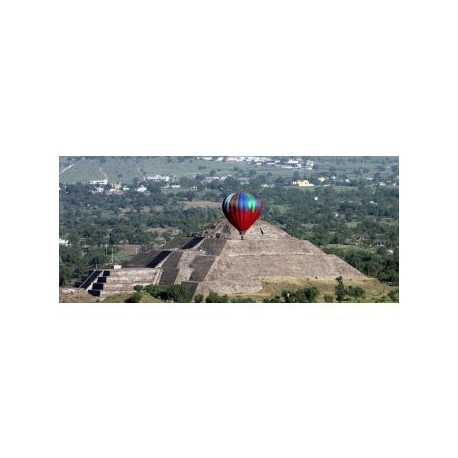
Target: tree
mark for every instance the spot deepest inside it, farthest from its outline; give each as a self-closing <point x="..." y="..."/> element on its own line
<point x="172" y="293"/>
<point x="186" y="182"/>
<point x="394" y="295"/>
<point x="65" y="275"/>
<point x="153" y="290"/>
<point x="355" y="291"/>
<point x="287" y="296"/>
<point x="308" y="294"/>
<point x="135" y="297"/>
<point x="340" y="289"/>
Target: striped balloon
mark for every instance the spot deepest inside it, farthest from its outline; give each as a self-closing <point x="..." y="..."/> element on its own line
<point x="242" y="210"/>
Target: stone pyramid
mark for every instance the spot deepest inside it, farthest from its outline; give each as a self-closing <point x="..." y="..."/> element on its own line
<point x="216" y="259"/>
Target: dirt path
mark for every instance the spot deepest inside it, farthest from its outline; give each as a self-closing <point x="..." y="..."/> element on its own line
<point x="69" y="166"/>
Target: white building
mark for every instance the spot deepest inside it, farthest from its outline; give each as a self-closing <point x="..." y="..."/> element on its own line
<point x="164" y="178"/>
<point x="309" y="165"/>
<point x="99" y="182"/>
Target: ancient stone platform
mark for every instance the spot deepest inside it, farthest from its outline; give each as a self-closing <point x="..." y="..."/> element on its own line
<point x="215" y="258"/>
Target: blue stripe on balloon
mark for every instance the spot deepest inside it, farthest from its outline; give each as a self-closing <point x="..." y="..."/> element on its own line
<point x="243" y="201"/>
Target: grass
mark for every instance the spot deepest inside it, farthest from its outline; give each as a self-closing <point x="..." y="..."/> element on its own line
<point x="82" y="296"/>
<point x="121" y="297"/>
<point x="375" y="290"/>
<point x="75" y="295"/>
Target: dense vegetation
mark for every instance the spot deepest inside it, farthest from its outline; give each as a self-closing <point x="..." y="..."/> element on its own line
<point x="352" y="211"/>
<point x="308" y="294"/>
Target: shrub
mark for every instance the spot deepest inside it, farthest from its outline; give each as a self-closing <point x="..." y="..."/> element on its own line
<point x="215" y="297"/>
<point x="394" y="295"/>
<point x="340" y="289"/>
<point x="199" y="298"/>
<point x="355" y="291"/>
<point x="135" y="297"/>
<point x="242" y="299"/>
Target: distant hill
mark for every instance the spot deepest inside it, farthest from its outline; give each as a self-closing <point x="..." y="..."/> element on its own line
<point x="125" y="169"/>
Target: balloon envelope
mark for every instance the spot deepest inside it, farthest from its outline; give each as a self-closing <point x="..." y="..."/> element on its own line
<point x="242" y="209"/>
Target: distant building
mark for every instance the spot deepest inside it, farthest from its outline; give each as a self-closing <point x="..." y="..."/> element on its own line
<point x="164" y="178"/>
<point x="99" y="182"/>
<point x="141" y="189"/>
<point x="260" y="159"/>
<point x="116" y="188"/>
<point x="302" y="183"/>
<point x="63" y="242"/>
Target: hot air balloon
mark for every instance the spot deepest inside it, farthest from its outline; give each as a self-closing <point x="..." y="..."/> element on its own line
<point x="242" y="210"/>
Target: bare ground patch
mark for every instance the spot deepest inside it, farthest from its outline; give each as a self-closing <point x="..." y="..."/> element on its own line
<point x="162" y="230"/>
<point x="200" y="204"/>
